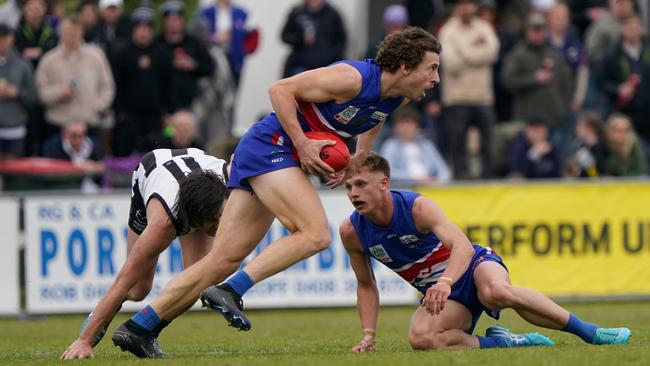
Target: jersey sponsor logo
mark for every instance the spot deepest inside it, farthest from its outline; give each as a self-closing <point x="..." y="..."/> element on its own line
<point x="277" y="160"/>
<point x="346" y="115"/>
<point x="380" y="116"/>
<point x="390" y="236"/>
<point x="380" y="253"/>
<point x="408" y="239"/>
<point x="276" y="152"/>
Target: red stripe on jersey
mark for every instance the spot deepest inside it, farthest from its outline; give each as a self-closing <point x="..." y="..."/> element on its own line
<point x="413" y="272"/>
<point x="314" y="122"/>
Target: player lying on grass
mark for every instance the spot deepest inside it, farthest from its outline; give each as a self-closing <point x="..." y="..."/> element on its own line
<point x="410" y="235"/>
<point x="176" y="193"/>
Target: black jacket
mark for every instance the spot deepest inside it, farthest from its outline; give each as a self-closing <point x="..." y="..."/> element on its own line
<point x="329" y="33"/>
<point x="142" y="79"/>
<point x="183" y="84"/>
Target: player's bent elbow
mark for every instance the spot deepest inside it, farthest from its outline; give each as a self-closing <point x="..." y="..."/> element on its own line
<point x="277" y="88"/>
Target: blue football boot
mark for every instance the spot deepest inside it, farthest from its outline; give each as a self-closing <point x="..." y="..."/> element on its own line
<point x="518" y="340"/>
<point x="612" y="336"/>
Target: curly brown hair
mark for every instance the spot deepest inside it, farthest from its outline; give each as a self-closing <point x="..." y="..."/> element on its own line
<point x="406" y="47"/>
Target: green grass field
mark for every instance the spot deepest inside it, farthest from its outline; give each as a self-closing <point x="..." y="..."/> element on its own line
<point x="324" y="337"/>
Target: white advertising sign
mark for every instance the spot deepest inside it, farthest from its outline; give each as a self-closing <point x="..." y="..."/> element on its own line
<point x="9" y="301"/>
<point x="76" y="246"/>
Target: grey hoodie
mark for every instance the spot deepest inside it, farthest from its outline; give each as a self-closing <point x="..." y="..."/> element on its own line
<point x="16" y="71"/>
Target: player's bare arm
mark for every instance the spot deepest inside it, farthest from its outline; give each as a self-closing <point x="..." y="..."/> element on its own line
<point x="428" y="217"/>
<point x="367" y="293"/>
<point x="365" y="142"/>
<point x="133" y="280"/>
<point x="338" y="82"/>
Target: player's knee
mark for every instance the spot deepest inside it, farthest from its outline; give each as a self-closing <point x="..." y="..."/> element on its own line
<point x="428" y="340"/>
<point x="499" y="296"/>
<point x="139" y="292"/>
<point x="420" y="340"/>
<point x="318" y="240"/>
<point x="423" y="337"/>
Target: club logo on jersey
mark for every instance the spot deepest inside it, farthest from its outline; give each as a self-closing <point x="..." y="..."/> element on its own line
<point x="277" y="139"/>
<point x="392" y="235"/>
<point x="346" y="115"/>
<point x="380" y="116"/>
<point x="380" y="253"/>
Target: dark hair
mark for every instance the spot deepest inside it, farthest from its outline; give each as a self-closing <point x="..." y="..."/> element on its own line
<point x="85" y="3"/>
<point x="593" y="121"/>
<point x="536" y="122"/>
<point x="200" y="196"/>
<point x="406" y="47"/>
<point x="377" y="163"/>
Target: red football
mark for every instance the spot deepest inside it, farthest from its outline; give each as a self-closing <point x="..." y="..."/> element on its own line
<point x="337" y="156"/>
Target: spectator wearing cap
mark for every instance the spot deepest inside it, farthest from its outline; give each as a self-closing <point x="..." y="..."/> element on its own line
<point x="395" y="18"/>
<point x="231" y="28"/>
<point x="33" y="37"/>
<point x="314" y="31"/>
<point x="16" y="93"/>
<point x="538" y="77"/>
<point x="532" y="155"/>
<point x="190" y="58"/>
<point x="10" y="13"/>
<point x="114" y="25"/>
<point x="142" y="69"/>
<point x="74" y="80"/>
<point x="471" y="49"/>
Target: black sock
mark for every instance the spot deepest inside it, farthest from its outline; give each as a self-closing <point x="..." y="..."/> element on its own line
<point x="137" y="329"/>
<point x="158" y="328"/>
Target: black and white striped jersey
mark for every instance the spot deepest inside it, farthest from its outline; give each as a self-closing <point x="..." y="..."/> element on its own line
<point x="160" y="171"/>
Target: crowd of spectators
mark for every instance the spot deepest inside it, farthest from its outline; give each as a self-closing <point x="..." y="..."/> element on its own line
<point x="529" y="89"/>
<point x="102" y="83"/>
<point x="535" y="89"/>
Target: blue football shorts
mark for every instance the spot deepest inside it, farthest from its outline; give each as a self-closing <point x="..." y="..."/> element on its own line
<point x="464" y="290"/>
<point x="264" y="148"/>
